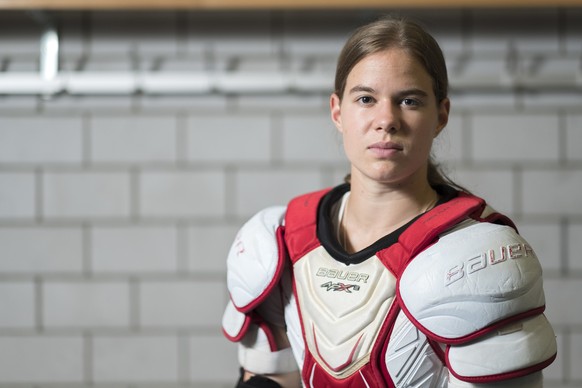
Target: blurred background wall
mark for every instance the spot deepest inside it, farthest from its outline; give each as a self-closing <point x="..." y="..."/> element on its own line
<point x="117" y="210"/>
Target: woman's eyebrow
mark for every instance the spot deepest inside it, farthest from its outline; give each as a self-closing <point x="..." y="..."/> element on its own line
<point x="362" y="88"/>
<point x="413" y="92"/>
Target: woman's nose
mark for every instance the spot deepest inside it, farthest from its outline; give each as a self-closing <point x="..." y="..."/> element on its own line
<point x="387" y="117"/>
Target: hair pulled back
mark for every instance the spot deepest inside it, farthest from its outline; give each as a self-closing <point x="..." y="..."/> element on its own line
<point x="398" y="33"/>
<point x="388" y="33"/>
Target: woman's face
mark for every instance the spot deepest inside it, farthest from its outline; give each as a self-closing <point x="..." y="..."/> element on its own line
<point x="388" y="117"/>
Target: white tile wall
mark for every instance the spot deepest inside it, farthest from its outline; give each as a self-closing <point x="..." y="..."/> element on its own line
<point x="18" y="304"/>
<point x="137" y="358"/>
<point x="553" y="192"/>
<point x="57" y="140"/>
<point x="162" y="304"/>
<point x="507" y="138"/>
<point x="76" y="304"/>
<point x="41" y="250"/>
<point x="574" y="246"/>
<point x="311" y="139"/>
<point x="229" y="139"/>
<point x="17" y="195"/>
<point x="133" y="139"/>
<point x="86" y="194"/>
<point x="117" y="212"/>
<point x="182" y="193"/>
<point x="134" y="249"/>
<point x="39" y="359"/>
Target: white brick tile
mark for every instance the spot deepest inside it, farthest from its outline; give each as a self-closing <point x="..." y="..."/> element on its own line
<point x="17" y="301"/>
<point x="182" y="194"/>
<point x="208" y="247"/>
<point x="86" y="194"/>
<point x="136" y="359"/>
<point x="217" y="363"/>
<point x="230" y="33"/>
<point x="516" y="138"/>
<point x="36" y="359"/>
<point x="229" y="138"/>
<point x="476" y="102"/>
<point x="574" y="137"/>
<point x="40" y="140"/>
<point x="256" y="190"/>
<point x="133" y="249"/>
<point x="564" y="305"/>
<point x="285" y="103"/>
<point x="551" y="100"/>
<point x="85" y="304"/>
<point x="527" y="30"/>
<point x="545" y="240"/>
<point x="552" y="192"/>
<point x="17" y="195"/>
<point x="448" y="146"/>
<point x="41" y="250"/>
<point x="145" y="33"/>
<point x="133" y="139"/>
<point x="574" y="246"/>
<point x="575" y="356"/>
<point x="496" y="186"/>
<point x="311" y="139"/>
<point x="181" y="303"/>
<point x="18" y="103"/>
<point x="555" y="372"/>
<point x="337" y="176"/>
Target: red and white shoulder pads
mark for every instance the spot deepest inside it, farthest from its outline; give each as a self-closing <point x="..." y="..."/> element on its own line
<point x="475" y="279"/>
<point x="517" y="350"/>
<point x="256" y="259"/>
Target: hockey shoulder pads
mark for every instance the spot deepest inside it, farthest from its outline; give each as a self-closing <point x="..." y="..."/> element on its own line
<point x="515" y="350"/>
<point x="478" y="290"/>
<point x="254" y="266"/>
<point x="256" y="259"/>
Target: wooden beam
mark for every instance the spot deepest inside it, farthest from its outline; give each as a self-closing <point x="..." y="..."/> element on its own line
<point x="274" y="4"/>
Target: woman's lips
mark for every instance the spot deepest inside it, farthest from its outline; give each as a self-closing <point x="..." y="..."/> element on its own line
<point x="385" y="149"/>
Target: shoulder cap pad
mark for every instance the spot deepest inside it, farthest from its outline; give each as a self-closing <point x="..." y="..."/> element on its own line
<point x="519" y="349"/>
<point x="471" y="280"/>
<point x="256" y="259"/>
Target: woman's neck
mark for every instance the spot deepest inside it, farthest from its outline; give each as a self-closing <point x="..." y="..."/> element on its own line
<point x="375" y="210"/>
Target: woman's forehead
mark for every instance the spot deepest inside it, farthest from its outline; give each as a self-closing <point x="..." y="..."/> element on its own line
<point x="395" y="66"/>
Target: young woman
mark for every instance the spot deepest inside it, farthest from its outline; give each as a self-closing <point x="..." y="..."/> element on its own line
<point x="398" y="278"/>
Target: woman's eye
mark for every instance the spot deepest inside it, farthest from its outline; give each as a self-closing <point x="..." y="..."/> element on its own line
<point x="410" y="102"/>
<point x="366" y="100"/>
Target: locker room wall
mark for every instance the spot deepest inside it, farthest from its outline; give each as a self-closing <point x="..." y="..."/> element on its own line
<point x="117" y="211"/>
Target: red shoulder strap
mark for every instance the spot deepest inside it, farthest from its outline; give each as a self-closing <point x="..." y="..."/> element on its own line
<point x="301" y="224"/>
<point x="426" y="229"/>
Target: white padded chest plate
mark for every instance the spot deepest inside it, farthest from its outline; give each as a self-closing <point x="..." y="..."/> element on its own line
<point x="471" y="278"/>
<point x="342" y="308"/>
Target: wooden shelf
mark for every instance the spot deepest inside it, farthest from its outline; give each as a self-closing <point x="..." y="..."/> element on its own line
<point x="274" y="4"/>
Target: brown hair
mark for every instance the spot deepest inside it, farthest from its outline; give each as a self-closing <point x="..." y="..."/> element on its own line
<point x="396" y="32"/>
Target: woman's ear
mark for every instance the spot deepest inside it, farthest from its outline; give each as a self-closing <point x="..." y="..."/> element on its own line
<point x="335" y="109"/>
<point x="443" y="115"/>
